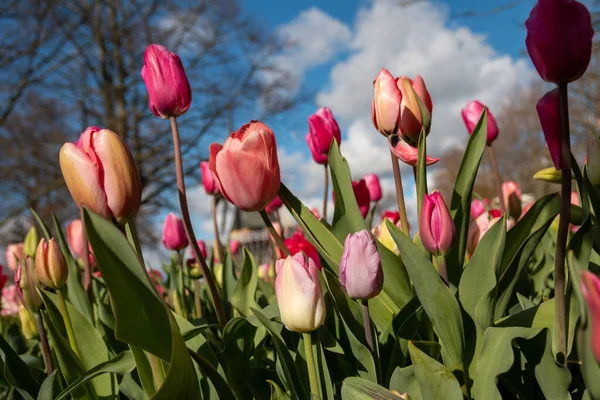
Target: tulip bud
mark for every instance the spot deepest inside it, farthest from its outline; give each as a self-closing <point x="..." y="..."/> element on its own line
<point x="169" y="92"/>
<point x="25" y="282"/>
<point x="436" y="227"/>
<point x="559" y="39"/>
<point x="274" y="205"/>
<point x="393" y="216"/>
<point x="173" y="234"/>
<point x="511" y="196"/>
<point x="14" y="253"/>
<point x="263" y="272"/>
<point x="208" y="180"/>
<point x="75" y="237"/>
<point x="10" y="301"/>
<point x="385" y="108"/>
<point x="478" y="207"/>
<point x="246" y="167"/>
<point x="299" y="295"/>
<point x="407" y="153"/>
<point x="234" y="246"/>
<point x="550" y="174"/>
<point x="548" y="109"/>
<point x="593" y="161"/>
<point x="373" y="186"/>
<point x="590" y="287"/>
<point x="361" y="273"/>
<point x="203" y="249"/>
<point x="471" y="115"/>
<point x="28" y="324"/>
<point x="50" y="265"/>
<point x="323" y="129"/>
<point x="382" y="233"/>
<point x="30" y="242"/>
<point x="363" y="197"/>
<point x="414" y="115"/>
<point x="297" y="243"/>
<point x="100" y="174"/>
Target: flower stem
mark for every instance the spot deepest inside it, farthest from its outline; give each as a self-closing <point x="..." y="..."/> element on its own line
<point x="563" y="225"/>
<point x="44" y="344"/>
<point x="158" y="372"/>
<point x="67" y="319"/>
<point x="497" y="177"/>
<point x="218" y="248"/>
<point x="197" y="305"/>
<point x="278" y="239"/>
<point x="310" y="365"/>
<point x="87" y="269"/>
<point x="368" y="328"/>
<point x="400" y="194"/>
<point x="208" y="276"/>
<point x="325" y="190"/>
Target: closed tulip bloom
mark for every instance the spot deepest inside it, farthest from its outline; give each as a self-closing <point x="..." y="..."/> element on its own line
<point x="14" y="253"/>
<point x="100" y="174"/>
<point x="297" y="243"/>
<point x="559" y="39"/>
<point x="372" y="182"/>
<point x="28" y="324"/>
<point x="323" y="129"/>
<point x="382" y="233"/>
<point x="478" y="207"/>
<point x="318" y="157"/>
<point x="418" y="85"/>
<point x="363" y="197"/>
<point x="50" y="265"/>
<point x="246" y="167"/>
<point x="25" y="281"/>
<point x="299" y="294"/>
<point x="173" y="233"/>
<point x="590" y="287"/>
<point x="202" y="247"/>
<point x="274" y="205"/>
<point x="3" y="277"/>
<point x="548" y="109"/>
<point x="393" y="216"/>
<point x="471" y="114"/>
<point x="413" y="117"/>
<point x="436" y="227"/>
<point x="75" y="237"/>
<point x="511" y="196"/>
<point x="361" y="273"/>
<point x="208" y="180"/>
<point x="406" y="153"/>
<point x="169" y="91"/>
<point x="234" y="246"/>
<point x="385" y="109"/>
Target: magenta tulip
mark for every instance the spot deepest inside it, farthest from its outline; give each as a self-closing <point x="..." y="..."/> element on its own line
<point x="407" y="153"/>
<point x="590" y="287"/>
<point x="385" y="108"/>
<point x="436" y="227"/>
<point x="478" y="207"/>
<point x="169" y="91"/>
<point x="393" y="216"/>
<point x="173" y="234"/>
<point x="372" y="182"/>
<point x="559" y="39"/>
<point x="318" y="157"/>
<point x="471" y="114"/>
<point x="203" y="249"/>
<point x="363" y="197"/>
<point x="208" y="180"/>
<point x="548" y="109"/>
<point x="323" y="129"/>
<point x="274" y="205"/>
<point x="361" y="273"/>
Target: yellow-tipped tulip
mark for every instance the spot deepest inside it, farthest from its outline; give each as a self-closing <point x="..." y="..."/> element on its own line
<point x="549" y="174"/>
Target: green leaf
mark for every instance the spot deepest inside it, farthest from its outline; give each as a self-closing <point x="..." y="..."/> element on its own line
<point x="590" y="369"/>
<point x="49" y="386"/>
<point x="238" y="338"/>
<point x="477" y="286"/>
<point x="42" y="224"/>
<point x="421" y="182"/>
<point x="404" y="381"/>
<point x="15" y="371"/>
<point x="460" y="206"/>
<point x="441" y="306"/>
<point x="243" y="294"/>
<point x="277" y="393"/>
<point x="361" y="389"/>
<point x="435" y="380"/>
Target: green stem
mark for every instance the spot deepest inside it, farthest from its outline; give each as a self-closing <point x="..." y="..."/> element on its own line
<point x="400" y="194"/>
<point x="44" y="344"/>
<point x="278" y="239"/>
<point x="67" y="319"/>
<point x="87" y="269"/>
<point x="158" y="372"/>
<point x="197" y="305"/>
<point x="442" y="269"/>
<point x="218" y="248"/>
<point x="310" y="365"/>
<point x="325" y="191"/>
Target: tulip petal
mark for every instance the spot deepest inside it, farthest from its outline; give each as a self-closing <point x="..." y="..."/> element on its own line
<point x="407" y="153"/>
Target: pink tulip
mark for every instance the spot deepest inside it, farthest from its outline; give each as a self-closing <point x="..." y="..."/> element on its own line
<point x="471" y="114"/>
<point x="274" y="205"/>
<point x="421" y="90"/>
<point x="323" y="129"/>
<point x="385" y="108"/>
<point x="412" y="117"/>
<point x="169" y="92"/>
<point x="548" y="108"/>
<point x="478" y="207"/>
<point x="318" y="157"/>
<point x="208" y="180"/>
<point x="10" y="301"/>
<point x="14" y="254"/>
<point x="203" y="249"/>
<point x="372" y="182"/>
<point x="481" y="225"/>
<point x="590" y="287"/>
<point x="234" y="246"/>
<point x="100" y="174"/>
<point x="393" y="216"/>
<point x="361" y="273"/>
<point x="315" y="212"/>
<point x="511" y="196"/>
<point x="173" y="234"/>
<point x="246" y="167"/>
<point x="407" y="153"/>
<point x="435" y="225"/>
<point x="559" y="39"/>
<point x="299" y="294"/>
<point x="75" y="237"/>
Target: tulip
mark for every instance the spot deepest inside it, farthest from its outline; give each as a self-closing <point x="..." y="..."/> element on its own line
<point x="559" y="39"/>
<point x="361" y="273"/>
<point x="75" y="237"/>
<point x="414" y="114"/>
<point x="30" y="242"/>
<point x="208" y="180"/>
<point x="202" y="247"/>
<point x="298" y="243"/>
<point x="407" y="153"/>
<point x="511" y="196"/>
<point x="421" y="90"/>
<point x="471" y="115"/>
<point x="28" y="324"/>
<point x="50" y="265"/>
<point x="157" y="279"/>
<point x="323" y="129"/>
<point x="481" y="225"/>
<point x="3" y="277"/>
<point x="234" y="246"/>
<point x="363" y="197"/>
<point x="173" y="233"/>
<point x="393" y="216"/>
<point x="593" y="161"/>
<point x="315" y="212"/>
<point x="385" y="108"/>
<point x="169" y="92"/>
<point x="382" y="233"/>
<point x="274" y="205"/>
<point x="246" y="167"/>
<point x="100" y="174"/>
<point x="25" y="281"/>
<point x="590" y="287"/>
<point x="14" y="253"/>
<point x="373" y="186"/>
<point x="478" y="207"/>
<point x="263" y="272"/>
<point x="550" y="174"/>
<point x="436" y="227"/>
<point x="298" y="292"/>
<point x="548" y="109"/>
<point x="10" y="301"/>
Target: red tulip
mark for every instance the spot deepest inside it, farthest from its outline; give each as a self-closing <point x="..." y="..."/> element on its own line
<point x="372" y="182"/>
<point x="298" y="243"/>
<point x="173" y="234"/>
<point x="234" y="246"/>
<point x="385" y="108"/>
<point x="471" y="114"/>
<point x="323" y="129"/>
<point x="246" y="167"/>
<point x="407" y="153"/>
<point x="3" y="277"/>
<point x="169" y="91"/>
<point x="363" y="197"/>
<point x="393" y="216"/>
<point x="436" y="226"/>
<point x="208" y="180"/>
<point x="559" y="39"/>
<point x="274" y="205"/>
<point x="548" y="109"/>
